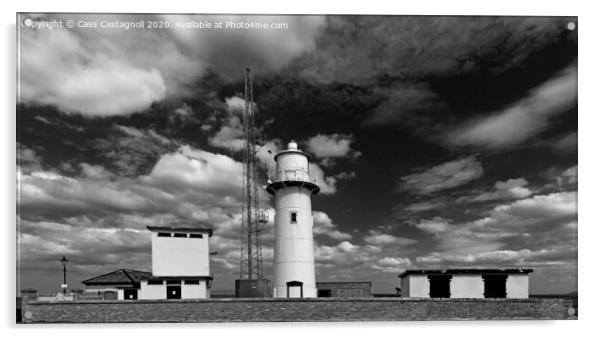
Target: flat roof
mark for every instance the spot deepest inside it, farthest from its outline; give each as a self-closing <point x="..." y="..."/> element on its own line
<point x="344" y="282"/>
<point x="175" y="278"/>
<point x="464" y="271"/>
<point x="180" y="229"/>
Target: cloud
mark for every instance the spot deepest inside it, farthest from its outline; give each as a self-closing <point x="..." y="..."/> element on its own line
<point x="329" y="147"/>
<point x="199" y="170"/>
<point x="433" y="226"/>
<point x="444" y="176"/>
<point x="410" y="47"/>
<point x="27" y="159"/>
<point x="536" y="229"/>
<point x="132" y="151"/>
<point x="568" y="176"/>
<point x="56" y="69"/>
<point x="97" y="72"/>
<point x="233" y="50"/>
<point x="230" y="136"/>
<point x="491" y="257"/>
<point x="523" y="119"/>
<point x="326" y="183"/>
<point x="323" y="226"/>
<point x="422" y="206"/>
<point x="510" y="189"/>
<point x="378" y="238"/>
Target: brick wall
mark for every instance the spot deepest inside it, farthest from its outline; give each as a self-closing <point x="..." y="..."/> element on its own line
<point x="317" y="309"/>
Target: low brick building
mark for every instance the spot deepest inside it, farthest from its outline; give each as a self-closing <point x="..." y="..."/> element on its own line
<point x="344" y="289"/>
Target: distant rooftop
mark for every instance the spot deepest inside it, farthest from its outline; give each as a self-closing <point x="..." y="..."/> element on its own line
<point x="180" y="230"/>
<point x="121" y="276"/>
<point x="463" y="271"/>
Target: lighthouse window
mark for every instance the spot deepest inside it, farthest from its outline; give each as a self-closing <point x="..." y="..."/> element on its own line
<point x="293" y="216"/>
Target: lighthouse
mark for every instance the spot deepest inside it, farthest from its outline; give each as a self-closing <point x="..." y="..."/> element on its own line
<point x="292" y="188"/>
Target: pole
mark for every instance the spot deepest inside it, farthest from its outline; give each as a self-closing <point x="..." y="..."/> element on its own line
<point x="64" y="278"/>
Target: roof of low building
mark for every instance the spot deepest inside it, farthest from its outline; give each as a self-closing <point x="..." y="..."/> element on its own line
<point x="464" y="271"/>
<point x="178" y="278"/>
<point x="121" y="276"/>
<point x="180" y="229"/>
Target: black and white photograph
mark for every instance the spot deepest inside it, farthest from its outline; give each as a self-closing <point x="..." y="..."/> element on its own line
<point x="205" y="168"/>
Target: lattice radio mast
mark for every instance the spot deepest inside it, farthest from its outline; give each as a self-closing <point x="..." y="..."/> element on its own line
<point x="251" y="261"/>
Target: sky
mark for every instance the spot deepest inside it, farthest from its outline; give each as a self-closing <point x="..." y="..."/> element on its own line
<point x="438" y="142"/>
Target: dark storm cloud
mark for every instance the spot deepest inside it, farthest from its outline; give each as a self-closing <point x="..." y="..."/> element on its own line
<point x="436" y="71"/>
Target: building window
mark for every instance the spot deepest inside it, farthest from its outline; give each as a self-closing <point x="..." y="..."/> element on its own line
<point x="173" y="282"/>
<point x="164" y="234"/>
<point x="155" y="282"/>
<point x="439" y="286"/>
<point x="324" y="293"/>
<point x="293" y="217"/>
<point x="495" y="285"/>
<point x="191" y="282"/>
<point x="180" y="235"/>
<point x="196" y="236"/>
<point x="110" y="295"/>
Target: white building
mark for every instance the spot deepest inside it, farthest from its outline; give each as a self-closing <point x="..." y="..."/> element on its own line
<point x="465" y="283"/>
<point x="292" y="187"/>
<point x="180" y="269"/>
<point x="180" y="264"/>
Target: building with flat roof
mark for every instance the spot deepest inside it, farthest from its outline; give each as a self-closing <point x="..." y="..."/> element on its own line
<point x="465" y="283"/>
<point x="180" y="269"/>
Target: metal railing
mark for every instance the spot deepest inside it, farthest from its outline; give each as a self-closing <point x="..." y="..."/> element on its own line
<point x="292" y="175"/>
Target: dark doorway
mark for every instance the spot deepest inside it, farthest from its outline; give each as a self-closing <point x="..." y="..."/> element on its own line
<point x="174" y="292"/>
<point x="439" y="286"/>
<point x="495" y="285"/>
<point x="324" y="293"/>
<point x="130" y="294"/>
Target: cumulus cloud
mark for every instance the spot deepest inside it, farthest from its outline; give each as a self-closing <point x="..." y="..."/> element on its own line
<point x="233" y="50"/>
<point x="523" y="119"/>
<point x="323" y="225"/>
<point x="200" y="170"/>
<point x="97" y="72"/>
<point x="444" y="176"/>
<point x="393" y="264"/>
<point x="543" y="223"/>
<point x="56" y="69"/>
<point x="230" y="136"/>
<point x="77" y="215"/>
<point x="327" y="183"/>
<point x="510" y="189"/>
<point x="379" y="238"/>
<point x="329" y="147"/>
<point x="433" y="226"/>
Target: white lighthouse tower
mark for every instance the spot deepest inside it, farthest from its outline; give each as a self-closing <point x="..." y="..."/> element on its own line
<point x="292" y="187"/>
